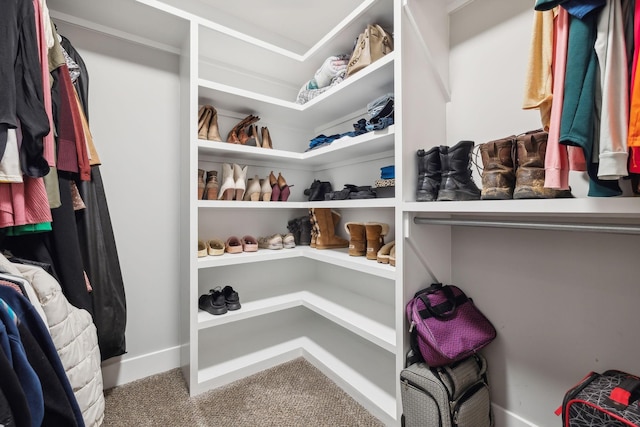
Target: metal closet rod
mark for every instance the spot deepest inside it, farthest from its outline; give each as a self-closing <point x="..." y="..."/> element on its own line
<point x="554" y="226"/>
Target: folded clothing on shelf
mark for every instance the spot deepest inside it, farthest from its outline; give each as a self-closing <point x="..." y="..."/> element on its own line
<point x="351" y="191"/>
<point x="388" y="172"/>
<point x="385" y="188"/>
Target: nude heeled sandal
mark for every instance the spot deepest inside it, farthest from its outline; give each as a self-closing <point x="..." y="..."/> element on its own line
<point x="253" y="189"/>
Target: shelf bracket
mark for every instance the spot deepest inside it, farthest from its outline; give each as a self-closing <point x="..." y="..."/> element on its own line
<point x="549" y="226"/>
<point x="442" y="85"/>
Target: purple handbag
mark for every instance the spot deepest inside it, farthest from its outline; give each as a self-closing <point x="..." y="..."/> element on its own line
<point x="446" y="326"/>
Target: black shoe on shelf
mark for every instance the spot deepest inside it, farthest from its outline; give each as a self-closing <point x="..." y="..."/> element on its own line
<point x="213" y="302"/>
<point x="231" y="298"/>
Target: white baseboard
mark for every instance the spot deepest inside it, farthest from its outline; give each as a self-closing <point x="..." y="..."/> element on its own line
<point x="505" y="418"/>
<point x="122" y="370"/>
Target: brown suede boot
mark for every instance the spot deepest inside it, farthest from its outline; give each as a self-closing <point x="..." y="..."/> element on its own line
<point x="357" y="238"/>
<point x="204" y="119"/>
<point x="211" y="188"/>
<point x="375" y="232"/>
<point x="326" y="227"/>
<point x="498" y="174"/>
<point x="213" y="134"/>
<point x="531" y="148"/>
<point x="201" y="185"/>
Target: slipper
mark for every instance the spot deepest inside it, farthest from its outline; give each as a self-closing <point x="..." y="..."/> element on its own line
<point x="215" y="247"/>
<point x="249" y="244"/>
<point x="383" y="253"/>
<point x="233" y="245"/>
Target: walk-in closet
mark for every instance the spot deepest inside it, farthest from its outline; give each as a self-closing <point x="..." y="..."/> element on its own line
<point x="556" y="277"/>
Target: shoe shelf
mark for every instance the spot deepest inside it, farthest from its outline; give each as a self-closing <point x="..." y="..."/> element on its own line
<point x="369" y="380"/>
<point x="342" y="100"/>
<point x="339" y="257"/>
<point x="587" y="207"/>
<point x="383" y="202"/>
<point x="370" y="143"/>
<point x="324" y="300"/>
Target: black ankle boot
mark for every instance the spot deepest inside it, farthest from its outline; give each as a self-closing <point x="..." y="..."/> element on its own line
<point x="457" y="181"/>
<point x="305" y="230"/>
<point x="429" y="175"/>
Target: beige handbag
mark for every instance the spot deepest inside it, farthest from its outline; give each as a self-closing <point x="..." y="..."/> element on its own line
<point x="372" y="44"/>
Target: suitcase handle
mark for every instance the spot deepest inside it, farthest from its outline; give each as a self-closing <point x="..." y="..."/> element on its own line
<point x="626" y="392"/>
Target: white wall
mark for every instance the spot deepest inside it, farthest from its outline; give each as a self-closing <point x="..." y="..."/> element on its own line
<point x="563" y="302"/>
<point x="134" y="119"/>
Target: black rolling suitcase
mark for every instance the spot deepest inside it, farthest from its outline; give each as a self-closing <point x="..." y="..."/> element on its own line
<point x="609" y="399"/>
<point x="455" y="395"/>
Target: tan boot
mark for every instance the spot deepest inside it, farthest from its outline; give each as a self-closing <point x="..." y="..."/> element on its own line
<point x="211" y="188"/>
<point x="326" y="226"/>
<point x="213" y="134"/>
<point x="357" y="238"/>
<point x="498" y="173"/>
<point x="375" y="232"/>
<point x="201" y="185"/>
<point x="531" y="148"/>
<point x="204" y="119"/>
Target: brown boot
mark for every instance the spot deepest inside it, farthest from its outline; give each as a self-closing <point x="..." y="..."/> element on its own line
<point x="211" y="189"/>
<point x="375" y="232"/>
<point x="213" y="134"/>
<point x="204" y="119"/>
<point x="531" y="148"/>
<point x="326" y="227"/>
<point x="357" y="238"/>
<point x="498" y="174"/>
<point x="201" y="185"/>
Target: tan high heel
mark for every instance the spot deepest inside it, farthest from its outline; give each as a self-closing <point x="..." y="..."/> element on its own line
<point x="266" y="138"/>
<point x="213" y="134"/>
<point x="272" y="179"/>
<point x="253" y="189"/>
<point x="265" y="190"/>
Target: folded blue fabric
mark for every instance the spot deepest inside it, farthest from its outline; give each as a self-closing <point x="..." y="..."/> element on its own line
<point x="388" y="172"/>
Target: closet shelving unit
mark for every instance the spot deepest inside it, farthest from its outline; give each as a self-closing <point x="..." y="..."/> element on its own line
<point x="321" y="304"/>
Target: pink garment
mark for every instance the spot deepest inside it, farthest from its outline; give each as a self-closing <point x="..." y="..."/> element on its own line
<point x="43" y="51"/>
<point x="24" y="203"/>
<point x="559" y="158"/>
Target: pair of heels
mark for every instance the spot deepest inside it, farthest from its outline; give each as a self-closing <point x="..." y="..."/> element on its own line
<point x="233" y="182"/>
<point x="280" y="190"/>
<point x="208" y="123"/>
<point x="258" y="190"/>
<point x="246" y="133"/>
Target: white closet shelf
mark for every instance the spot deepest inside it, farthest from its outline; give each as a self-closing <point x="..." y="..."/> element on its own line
<point x="383" y="202"/>
<point x="226" y="372"/>
<point x="593" y="207"/>
<point x="374" y="142"/>
<point x="324" y="300"/>
<point x="353" y="94"/>
<point x="339" y="257"/>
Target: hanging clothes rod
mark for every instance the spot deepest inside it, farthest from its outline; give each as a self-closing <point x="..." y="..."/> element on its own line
<point x="552" y="226"/>
<point x="427" y="52"/>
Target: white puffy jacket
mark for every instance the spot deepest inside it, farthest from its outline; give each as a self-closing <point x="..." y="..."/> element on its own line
<point x="76" y="340"/>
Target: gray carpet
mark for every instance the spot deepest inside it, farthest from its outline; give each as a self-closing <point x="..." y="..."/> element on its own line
<point x="292" y="394"/>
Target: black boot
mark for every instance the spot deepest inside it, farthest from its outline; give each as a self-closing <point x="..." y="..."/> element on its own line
<point x="457" y="181"/>
<point x="305" y="230"/>
<point x="428" y="175"/>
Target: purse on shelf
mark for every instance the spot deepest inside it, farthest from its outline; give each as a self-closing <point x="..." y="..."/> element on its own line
<point x="446" y="326"/>
<point x="372" y="44"/>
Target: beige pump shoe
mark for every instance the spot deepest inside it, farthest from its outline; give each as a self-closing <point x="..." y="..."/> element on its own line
<point x="253" y="189"/>
<point x="213" y="134"/>
<point x="227" y="190"/>
<point x="265" y="190"/>
<point x="240" y="178"/>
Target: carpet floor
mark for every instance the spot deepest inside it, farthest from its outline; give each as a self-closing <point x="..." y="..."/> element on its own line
<point x="294" y="393"/>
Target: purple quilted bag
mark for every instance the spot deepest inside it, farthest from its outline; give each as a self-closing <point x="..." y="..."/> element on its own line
<point x="446" y="326"/>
